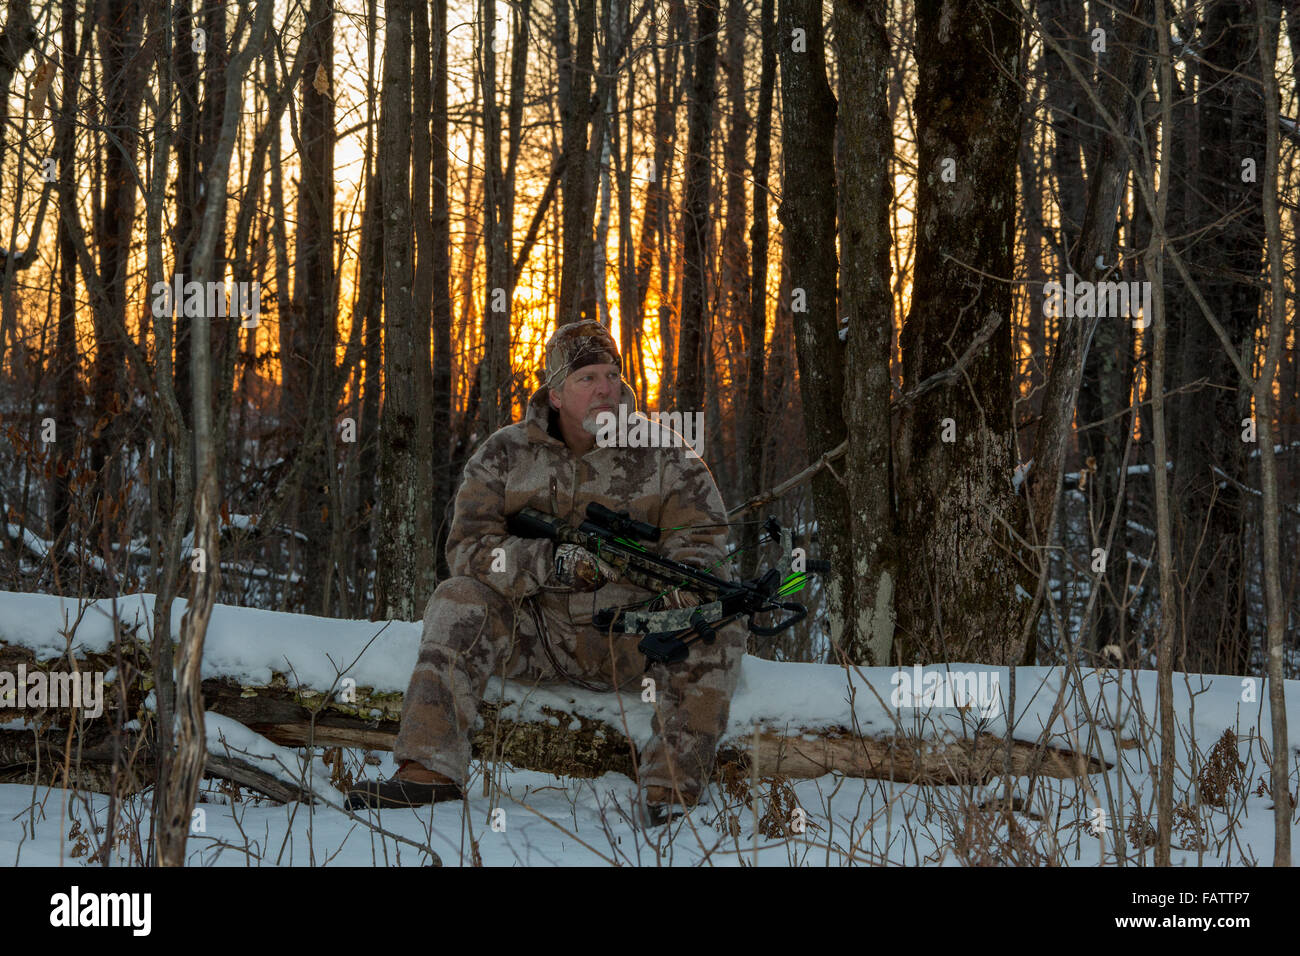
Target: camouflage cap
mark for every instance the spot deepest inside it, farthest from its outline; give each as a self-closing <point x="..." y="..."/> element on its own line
<point x="576" y="345"/>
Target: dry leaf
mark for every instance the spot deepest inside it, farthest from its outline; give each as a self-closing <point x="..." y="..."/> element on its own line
<point x="42" y="78"/>
<point x="321" y="84"/>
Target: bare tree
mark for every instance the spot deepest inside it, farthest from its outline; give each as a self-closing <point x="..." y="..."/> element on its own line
<point x="957" y="598"/>
<point x="405" y="458"/>
<point x="578" y="186"/>
<point x="309" y="329"/>
<point x="494" y="370"/>
<point x="807" y="212"/>
<point x="866" y="191"/>
<point x="1224" y="245"/>
<point x="1263" y="388"/>
<point x="191" y="741"/>
<point x="753" y="417"/>
<point x="67" y="381"/>
<point x="697" y="228"/>
<point x="440" y="240"/>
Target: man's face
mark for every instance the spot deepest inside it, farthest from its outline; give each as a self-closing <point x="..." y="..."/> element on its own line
<point x="586" y="393"/>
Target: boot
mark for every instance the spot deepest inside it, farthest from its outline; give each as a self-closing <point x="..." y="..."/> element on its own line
<point x="411" y="786"/>
<point x="662" y="805"/>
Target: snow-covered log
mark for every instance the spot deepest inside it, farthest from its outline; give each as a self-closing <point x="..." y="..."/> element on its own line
<point x="337" y="684"/>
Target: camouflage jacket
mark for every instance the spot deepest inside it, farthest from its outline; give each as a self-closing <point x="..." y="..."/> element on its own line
<point x="526" y="465"/>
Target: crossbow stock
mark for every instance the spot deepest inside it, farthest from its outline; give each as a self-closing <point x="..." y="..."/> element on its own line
<point x="667" y="633"/>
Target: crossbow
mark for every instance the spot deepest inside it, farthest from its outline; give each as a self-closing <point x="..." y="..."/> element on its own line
<point x="667" y="633"/>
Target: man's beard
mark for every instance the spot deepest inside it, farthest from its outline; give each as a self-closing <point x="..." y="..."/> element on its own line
<point x="591" y="421"/>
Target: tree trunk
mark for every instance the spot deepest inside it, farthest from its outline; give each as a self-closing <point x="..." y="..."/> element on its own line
<point x="191" y="747"/>
<point x="578" y="741"/>
<point x="18" y="37"/>
<point x="494" y="387"/>
<point x="185" y="77"/>
<point x="697" y="227"/>
<point x="1115" y="109"/>
<point x="67" y="382"/>
<point x="405" y="459"/>
<point x="366" y="313"/>
<point x="656" y="228"/>
<point x="733" y="310"/>
<point x="1164" y="544"/>
<point x="1270" y="513"/>
<point x="753" y="417"/>
<point x="309" y="362"/>
<point x="578" y="188"/>
<point x="1065" y="21"/>
<point x="1210" y="457"/>
<point x="120" y="23"/>
<point x="957" y="598"/>
<point x="808" y="213"/>
<point x="866" y="191"/>
<point x="440" y="251"/>
<point x="631" y="313"/>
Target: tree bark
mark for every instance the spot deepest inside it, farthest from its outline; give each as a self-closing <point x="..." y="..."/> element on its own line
<point x="1225" y="251"/>
<point x="1115" y="110"/>
<point x="309" y="361"/>
<point x="187" y="768"/>
<point x="866" y="191"/>
<point x="697" y="227"/>
<point x="67" y="382"/>
<point x="578" y="188"/>
<point x="120" y="23"/>
<point x="405" y="458"/>
<point x="440" y="253"/>
<point x="754" y="414"/>
<point x="573" y="741"/>
<point x="957" y="598"/>
<point x="494" y="370"/>
<point x="1270" y="510"/>
<point x="1164" y="544"/>
<point x="807" y="211"/>
<point x="18" y="37"/>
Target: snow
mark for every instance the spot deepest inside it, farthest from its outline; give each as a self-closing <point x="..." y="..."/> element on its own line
<point x="228" y="736"/>
<point x="562" y="821"/>
<point x="246" y="644"/>
<point x="1072" y="477"/>
<point x="41" y="548"/>
<point x="1021" y="473"/>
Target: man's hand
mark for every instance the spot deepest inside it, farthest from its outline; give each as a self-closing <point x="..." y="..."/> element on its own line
<point x="578" y="568"/>
<point x="679" y="598"/>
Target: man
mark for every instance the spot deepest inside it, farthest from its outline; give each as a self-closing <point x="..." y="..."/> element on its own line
<point x="522" y="608"/>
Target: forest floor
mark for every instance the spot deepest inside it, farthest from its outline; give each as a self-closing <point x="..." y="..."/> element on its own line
<point x="511" y="816"/>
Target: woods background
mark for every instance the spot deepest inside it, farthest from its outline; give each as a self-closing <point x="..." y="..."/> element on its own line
<point x="828" y="227"/>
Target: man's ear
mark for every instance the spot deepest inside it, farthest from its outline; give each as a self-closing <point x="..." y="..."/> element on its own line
<point x="551" y="398"/>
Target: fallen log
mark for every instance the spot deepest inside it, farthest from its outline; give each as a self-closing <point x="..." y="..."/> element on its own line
<point x="101" y="767"/>
<point x="552" y="735"/>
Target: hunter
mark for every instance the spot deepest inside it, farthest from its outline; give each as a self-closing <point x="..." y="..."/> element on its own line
<point x="523" y="608"/>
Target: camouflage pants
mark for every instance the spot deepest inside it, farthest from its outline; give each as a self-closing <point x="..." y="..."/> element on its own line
<point x="471" y="633"/>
